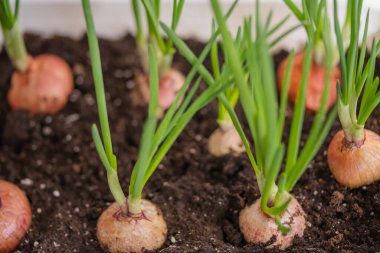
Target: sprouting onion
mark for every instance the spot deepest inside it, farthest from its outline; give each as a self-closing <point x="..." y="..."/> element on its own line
<point x="225" y="139"/>
<point x="15" y="216"/>
<point x="318" y="12"/>
<point x="265" y="117"/>
<point x="138" y="221"/>
<point x="171" y="80"/>
<point x="41" y="84"/>
<point x="354" y="153"/>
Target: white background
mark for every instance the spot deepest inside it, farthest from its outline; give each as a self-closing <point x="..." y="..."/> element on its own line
<point x="114" y="18"/>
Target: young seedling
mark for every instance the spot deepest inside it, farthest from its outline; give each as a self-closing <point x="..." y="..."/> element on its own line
<point x="277" y="213"/>
<point x="133" y="224"/>
<point x="171" y="80"/>
<point x="354" y="152"/>
<point x="15" y="216"/>
<point x="317" y="10"/>
<point x="40" y="84"/>
<point x="225" y="139"/>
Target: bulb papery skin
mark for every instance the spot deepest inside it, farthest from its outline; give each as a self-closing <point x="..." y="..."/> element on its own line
<point x="355" y="165"/>
<point x="15" y="216"/>
<point x="122" y="233"/>
<point x="224" y="141"/>
<point x="169" y="86"/>
<point x="44" y="88"/>
<point x="258" y="227"/>
<point x="315" y="84"/>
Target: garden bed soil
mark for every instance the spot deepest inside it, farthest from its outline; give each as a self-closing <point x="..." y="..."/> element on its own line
<point x="53" y="159"/>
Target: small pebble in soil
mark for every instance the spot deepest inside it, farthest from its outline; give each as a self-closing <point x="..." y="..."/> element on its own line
<point x="336" y="198"/>
<point x="79" y="80"/>
<point x="76" y="168"/>
<point x="129" y="84"/>
<point x="39" y="210"/>
<point x="68" y="137"/>
<point x="89" y="99"/>
<point x="72" y="118"/>
<point x="117" y="102"/>
<point x="35" y="244"/>
<point x="27" y="181"/>
<point x="42" y="186"/>
<point x="48" y="119"/>
<point x="75" y="95"/>
<point x="56" y="194"/>
<point x="78" y="69"/>
<point x="47" y="130"/>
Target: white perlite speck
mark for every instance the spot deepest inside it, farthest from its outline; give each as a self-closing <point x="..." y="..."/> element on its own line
<point x="27" y="181"/>
<point x="56" y="193"/>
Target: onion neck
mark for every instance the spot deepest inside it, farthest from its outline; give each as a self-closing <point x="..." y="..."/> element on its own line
<point x="15" y="47"/>
<point x="353" y="132"/>
<point x="134" y="207"/>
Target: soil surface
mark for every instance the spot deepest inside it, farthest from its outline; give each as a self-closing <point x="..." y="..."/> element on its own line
<point x="53" y="159"/>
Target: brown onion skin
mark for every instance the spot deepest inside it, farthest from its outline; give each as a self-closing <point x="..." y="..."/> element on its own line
<point x="225" y="141"/>
<point x="258" y="227"/>
<point x="44" y="88"/>
<point x="169" y="86"/>
<point x="120" y="233"/>
<point x="355" y="165"/>
<point x="15" y="216"/>
<point x="315" y="84"/>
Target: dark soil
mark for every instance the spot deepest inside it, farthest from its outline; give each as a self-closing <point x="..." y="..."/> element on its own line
<point x="53" y="159"/>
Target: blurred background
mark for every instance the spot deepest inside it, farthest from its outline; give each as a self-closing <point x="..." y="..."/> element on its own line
<point x="114" y="18"/>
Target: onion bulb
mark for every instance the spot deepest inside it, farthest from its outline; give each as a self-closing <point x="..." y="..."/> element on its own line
<point x="15" y="216"/>
<point x="169" y="86"/>
<point x="122" y="233"/>
<point x="355" y="164"/>
<point x="44" y="87"/>
<point x="225" y="141"/>
<point x="258" y="227"/>
<point x="315" y="84"/>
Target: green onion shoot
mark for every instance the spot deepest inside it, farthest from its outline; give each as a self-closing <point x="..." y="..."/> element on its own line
<point x="133" y="224"/>
<point x="40" y="84"/>
<point x="354" y="152"/>
<point x="318" y="12"/>
<point x="225" y="139"/>
<point x="170" y="79"/>
<point x="277" y="213"/>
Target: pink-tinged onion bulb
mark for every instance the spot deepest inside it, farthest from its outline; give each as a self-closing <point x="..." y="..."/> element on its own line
<point x="15" y="216"/>
<point x="315" y="84"/>
<point x="354" y="165"/>
<point x="258" y="227"/>
<point x="44" y="87"/>
<point x="118" y="232"/>
<point x="170" y="84"/>
<point x="225" y="141"/>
